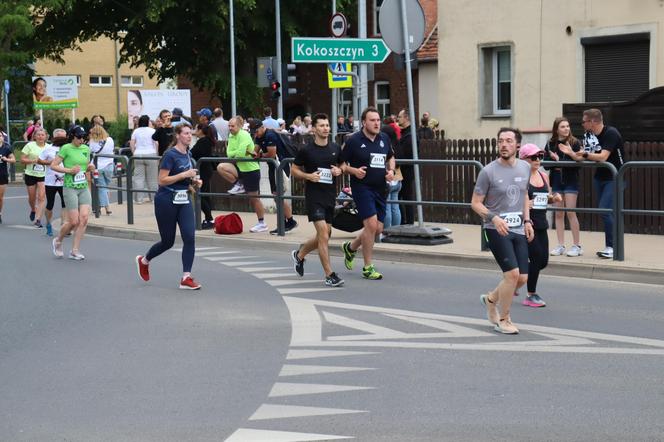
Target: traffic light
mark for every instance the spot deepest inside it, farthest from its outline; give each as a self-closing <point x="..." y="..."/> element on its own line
<point x="289" y="78"/>
<point x="276" y="90"/>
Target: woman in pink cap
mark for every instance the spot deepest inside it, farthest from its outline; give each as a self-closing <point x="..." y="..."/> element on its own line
<point x="539" y="193"/>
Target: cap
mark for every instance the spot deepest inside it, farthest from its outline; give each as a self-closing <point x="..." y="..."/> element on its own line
<point x="77" y="132"/>
<point x="205" y="112"/>
<point x="254" y="124"/>
<point x="177" y="111"/>
<point x="528" y="150"/>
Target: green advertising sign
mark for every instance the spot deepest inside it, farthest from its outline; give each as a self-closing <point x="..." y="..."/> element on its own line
<point x="338" y="50"/>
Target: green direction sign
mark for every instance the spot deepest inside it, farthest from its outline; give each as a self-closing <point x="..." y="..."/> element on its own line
<point x="338" y="50"/>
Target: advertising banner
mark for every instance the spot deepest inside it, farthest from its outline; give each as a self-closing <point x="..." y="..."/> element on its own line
<point x="55" y="92"/>
<point x="152" y="101"/>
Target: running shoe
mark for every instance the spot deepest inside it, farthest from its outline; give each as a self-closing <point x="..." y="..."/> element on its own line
<point x="491" y="309"/>
<point x="38" y="224"/>
<point x="76" y="256"/>
<point x="207" y="225"/>
<point x="558" y="250"/>
<point x="369" y="272"/>
<point x="57" y="248"/>
<point x="506" y="327"/>
<point x="0" y="219"/>
<point x="49" y="229"/>
<point x="349" y="255"/>
<point x="607" y="253"/>
<point x="534" y="300"/>
<point x="188" y="283"/>
<point x="143" y="269"/>
<point x="237" y="189"/>
<point x="290" y="225"/>
<point x="298" y="264"/>
<point x="575" y="251"/>
<point x="32" y="216"/>
<point x="259" y="227"/>
<point x="332" y="280"/>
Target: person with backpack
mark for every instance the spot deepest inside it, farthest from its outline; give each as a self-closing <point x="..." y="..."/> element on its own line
<point x="270" y="144"/>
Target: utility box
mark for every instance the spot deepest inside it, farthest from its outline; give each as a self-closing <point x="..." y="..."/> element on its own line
<point x="265" y="71"/>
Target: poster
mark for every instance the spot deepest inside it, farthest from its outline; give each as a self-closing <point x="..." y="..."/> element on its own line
<point x="152" y="101"/>
<point x="55" y="92"/>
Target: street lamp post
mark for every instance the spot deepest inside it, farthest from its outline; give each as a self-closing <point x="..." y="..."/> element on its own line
<point x="232" y="30"/>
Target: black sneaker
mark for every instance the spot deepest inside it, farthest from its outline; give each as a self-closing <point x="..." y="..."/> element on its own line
<point x="290" y="225"/>
<point x="32" y="216"/>
<point x="298" y="264"/>
<point x="332" y="280"/>
<point x="207" y="225"/>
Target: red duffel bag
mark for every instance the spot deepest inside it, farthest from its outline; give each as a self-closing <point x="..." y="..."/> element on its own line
<point x="230" y="224"/>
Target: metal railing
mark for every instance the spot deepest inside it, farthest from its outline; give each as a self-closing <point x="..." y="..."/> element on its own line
<point x="117" y="173"/>
<point x="12" y="167"/>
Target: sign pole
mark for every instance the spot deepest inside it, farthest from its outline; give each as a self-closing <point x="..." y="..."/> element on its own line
<point x="232" y="31"/>
<point x="335" y="94"/>
<point x="6" y="90"/>
<point x="277" y="15"/>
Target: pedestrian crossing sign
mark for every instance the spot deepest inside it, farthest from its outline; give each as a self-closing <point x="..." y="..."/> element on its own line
<point x="339" y="81"/>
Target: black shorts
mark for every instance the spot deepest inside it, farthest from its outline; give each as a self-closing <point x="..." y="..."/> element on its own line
<point x="51" y="191"/>
<point x="511" y="251"/>
<point x="32" y="180"/>
<point x="251" y="180"/>
<point x="320" y="208"/>
<point x="369" y="202"/>
<point x="4" y="179"/>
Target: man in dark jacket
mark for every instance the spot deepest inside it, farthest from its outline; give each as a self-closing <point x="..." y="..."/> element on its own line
<point x="404" y="151"/>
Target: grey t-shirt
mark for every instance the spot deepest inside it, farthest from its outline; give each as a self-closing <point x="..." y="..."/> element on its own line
<point x="505" y="188"/>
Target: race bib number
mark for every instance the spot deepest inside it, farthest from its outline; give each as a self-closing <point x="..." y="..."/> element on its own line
<point x="378" y="160"/>
<point x="325" y="175"/>
<point x="181" y="197"/>
<point x="79" y="178"/>
<point x="38" y="168"/>
<point x="513" y="219"/>
<point x="540" y="200"/>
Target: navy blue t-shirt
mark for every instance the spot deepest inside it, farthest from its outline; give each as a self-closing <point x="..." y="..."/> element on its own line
<point x="361" y="151"/>
<point x="271" y="138"/>
<point x="5" y="151"/>
<point x="176" y="162"/>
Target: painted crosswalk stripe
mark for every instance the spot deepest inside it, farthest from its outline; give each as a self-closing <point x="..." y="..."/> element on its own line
<point x="229" y="258"/>
<point x="282" y="282"/>
<point x="243" y="263"/>
<point x="198" y="249"/>
<point x="220" y="252"/>
<point x="251" y="435"/>
<point x="264" y="269"/>
<point x="281" y="389"/>
<point x="296" y="291"/>
<point x="308" y="354"/>
<point x="276" y="275"/>
<point x="274" y="411"/>
<point x="299" y="370"/>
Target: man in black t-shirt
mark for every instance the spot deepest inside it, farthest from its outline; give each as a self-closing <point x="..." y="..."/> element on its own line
<point x="318" y="164"/>
<point x="602" y="143"/>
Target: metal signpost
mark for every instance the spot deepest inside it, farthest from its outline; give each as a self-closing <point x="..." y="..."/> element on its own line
<point x="7" y="110"/>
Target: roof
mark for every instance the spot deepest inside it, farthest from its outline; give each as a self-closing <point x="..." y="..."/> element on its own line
<point x="429" y="49"/>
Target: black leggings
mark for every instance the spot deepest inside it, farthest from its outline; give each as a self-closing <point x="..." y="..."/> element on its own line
<point x="51" y="191"/>
<point x="168" y="215"/>
<point x="538" y="257"/>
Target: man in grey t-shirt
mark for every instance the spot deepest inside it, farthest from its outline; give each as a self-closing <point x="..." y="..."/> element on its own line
<point x="500" y="197"/>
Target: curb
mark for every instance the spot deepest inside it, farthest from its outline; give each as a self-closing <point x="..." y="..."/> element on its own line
<point x="578" y="270"/>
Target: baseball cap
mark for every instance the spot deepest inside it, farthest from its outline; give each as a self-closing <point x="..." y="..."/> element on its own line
<point x="528" y="150"/>
<point x="77" y="132"/>
<point x="254" y="124"/>
<point x="206" y="112"/>
<point x="177" y="112"/>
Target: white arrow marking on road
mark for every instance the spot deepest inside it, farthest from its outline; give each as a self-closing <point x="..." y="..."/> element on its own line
<point x="281" y="389"/>
<point x="270" y="411"/>
<point x="308" y="354"/>
<point x="250" y="435"/>
<point x="298" y="370"/>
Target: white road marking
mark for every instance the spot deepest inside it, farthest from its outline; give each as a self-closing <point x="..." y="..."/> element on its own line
<point x="298" y="370"/>
<point x="281" y="389"/>
<point x="250" y="435"/>
<point x="276" y="275"/>
<point x="221" y="252"/>
<point x="198" y="249"/>
<point x="309" y="290"/>
<point x="308" y="354"/>
<point x="279" y="283"/>
<point x="229" y="258"/>
<point x="19" y="226"/>
<point x="270" y="411"/>
<point x="265" y="269"/>
<point x="16" y="197"/>
<point x="243" y="263"/>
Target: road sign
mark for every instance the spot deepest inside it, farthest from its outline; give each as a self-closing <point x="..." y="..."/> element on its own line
<point x="338" y="50"/>
<point x="391" y="29"/>
<point x="6" y="86"/>
<point x="338" y="25"/>
<point x="339" y="81"/>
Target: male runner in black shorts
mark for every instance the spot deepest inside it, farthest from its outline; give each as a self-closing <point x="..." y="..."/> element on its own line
<point x="501" y="199"/>
<point x="317" y="163"/>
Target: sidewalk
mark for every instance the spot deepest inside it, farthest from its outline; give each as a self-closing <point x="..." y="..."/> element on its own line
<point x="643" y="261"/>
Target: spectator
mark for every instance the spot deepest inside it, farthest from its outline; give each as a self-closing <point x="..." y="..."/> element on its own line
<point x="424" y="132"/>
<point x="341" y="124"/>
<point x="220" y="125"/>
<point x="203" y="148"/>
<point x="205" y="118"/>
<point x="97" y="120"/>
<point x="282" y="126"/>
<point x="392" y="210"/>
<point x="101" y="143"/>
<point x="164" y="133"/>
<point x="297" y="127"/>
<point x="33" y="125"/>
<point x="306" y="123"/>
<point x="177" y="117"/>
<point x="391" y="120"/>
<point x="145" y="171"/>
<point x="405" y="151"/>
<point x="351" y="124"/>
<point x="268" y="121"/>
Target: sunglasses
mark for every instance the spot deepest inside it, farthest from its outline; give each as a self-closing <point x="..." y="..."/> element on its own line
<point x="538" y="157"/>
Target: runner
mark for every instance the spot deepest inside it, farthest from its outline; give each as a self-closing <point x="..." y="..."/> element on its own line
<point x="172" y="206"/>
<point x="367" y="155"/>
<point x="34" y="173"/>
<point x="540" y="196"/>
<point x="317" y="163"/>
<point x="73" y="160"/>
<point x="53" y="180"/>
<point x="6" y="157"/>
<point x="501" y="199"/>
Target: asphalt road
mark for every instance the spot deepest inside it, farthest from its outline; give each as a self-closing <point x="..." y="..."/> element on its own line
<point x="89" y="352"/>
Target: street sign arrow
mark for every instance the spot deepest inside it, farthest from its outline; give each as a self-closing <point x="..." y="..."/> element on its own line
<point x="333" y="50"/>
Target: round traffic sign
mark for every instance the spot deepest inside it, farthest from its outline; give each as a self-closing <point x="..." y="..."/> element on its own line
<point x="338" y="25"/>
<point x="391" y="27"/>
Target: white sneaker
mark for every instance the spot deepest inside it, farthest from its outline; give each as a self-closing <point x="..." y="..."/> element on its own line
<point x="607" y="253"/>
<point x="259" y="227"/>
<point x="575" y="251"/>
<point x="237" y="189"/>
<point x="558" y="250"/>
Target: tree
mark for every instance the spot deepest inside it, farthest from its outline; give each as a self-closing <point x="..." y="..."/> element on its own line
<point x="187" y="38"/>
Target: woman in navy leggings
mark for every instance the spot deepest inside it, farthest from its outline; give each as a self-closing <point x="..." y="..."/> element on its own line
<point x="172" y="206"/>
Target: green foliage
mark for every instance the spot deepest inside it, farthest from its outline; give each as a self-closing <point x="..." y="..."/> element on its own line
<point x="118" y="129"/>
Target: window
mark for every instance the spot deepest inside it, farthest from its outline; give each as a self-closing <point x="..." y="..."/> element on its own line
<point x="496" y="84"/>
<point x="376" y="12"/>
<point x="382" y="92"/>
<point x="101" y="80"/>
<point x="346" y="102"/>
<point x="131" y="80"/>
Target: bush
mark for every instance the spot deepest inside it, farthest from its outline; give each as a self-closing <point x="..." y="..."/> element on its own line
<point x="118" y="129"/>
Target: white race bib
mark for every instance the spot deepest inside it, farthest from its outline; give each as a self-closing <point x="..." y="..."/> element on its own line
<point x="378" y="160"/>
<point x="181" y="197"/>
<point x="513" y="219"/>
<point x="325" y="175"/>
<point x="79" y="178"/>
<point x="540" y="200"/>
<point x="38" y="168"/>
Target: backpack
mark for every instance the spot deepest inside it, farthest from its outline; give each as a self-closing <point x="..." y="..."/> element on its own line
<point x="230" y="224"/>
<point x="290" y="149"/>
